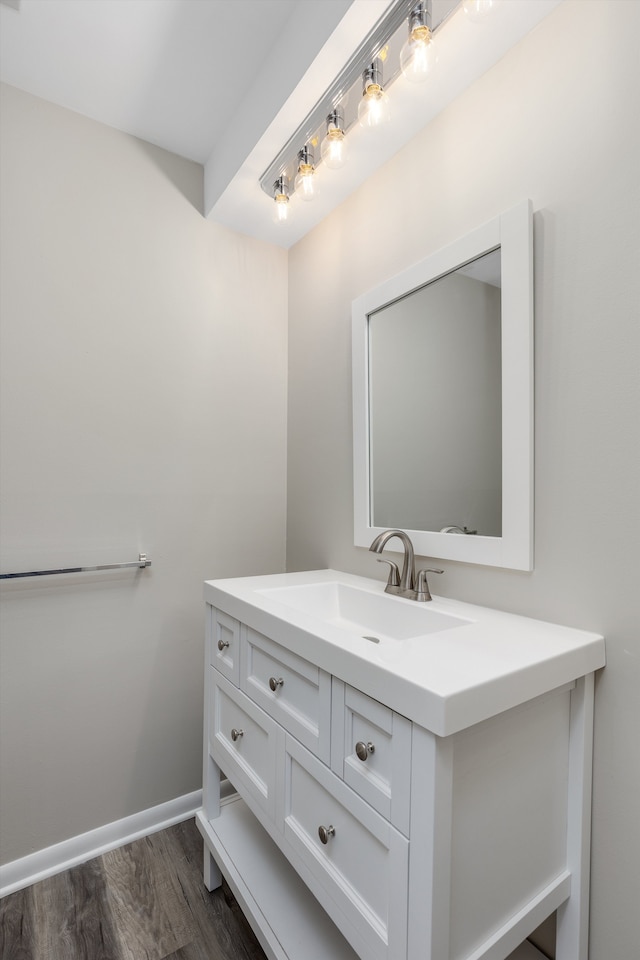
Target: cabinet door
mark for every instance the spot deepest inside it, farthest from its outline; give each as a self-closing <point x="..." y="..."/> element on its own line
<point x="225" y="645"/>
<point x="353" y="860"/>
<point x="371" y="751"/>
<point x="292" y="690"/>
<point x="242" y="740"/>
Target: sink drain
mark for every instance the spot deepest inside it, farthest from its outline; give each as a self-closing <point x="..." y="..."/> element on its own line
<point x="372" y="639"/>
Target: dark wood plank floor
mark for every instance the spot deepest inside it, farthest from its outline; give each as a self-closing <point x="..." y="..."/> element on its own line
<point x="145" y="901"/>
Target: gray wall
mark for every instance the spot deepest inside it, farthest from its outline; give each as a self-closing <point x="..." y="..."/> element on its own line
<point x="143" y="408"/>
<point x="557" y="121"/>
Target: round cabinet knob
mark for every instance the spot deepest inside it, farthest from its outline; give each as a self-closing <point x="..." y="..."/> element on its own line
<point x="325" y="832"/>
<point x="364" y="749"/>
<point x="222" y="644"/>
<point x="236" y="734"/>
<point x="275" y="682"/>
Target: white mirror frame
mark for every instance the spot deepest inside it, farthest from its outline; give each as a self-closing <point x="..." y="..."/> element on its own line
<point x="512" y="232"/>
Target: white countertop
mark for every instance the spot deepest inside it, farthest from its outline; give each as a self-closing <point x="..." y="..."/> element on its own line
<point x="446" y="680"/>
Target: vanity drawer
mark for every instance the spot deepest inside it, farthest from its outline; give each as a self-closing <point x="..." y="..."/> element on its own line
<point x="242" y="741"/>
<point x="293" y="691"/>
<point x="371" y="751"/>
<point x="360" y="874"/>
<point x="225" y="645"/>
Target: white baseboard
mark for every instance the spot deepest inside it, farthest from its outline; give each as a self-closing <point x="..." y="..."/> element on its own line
<point x="61" y="856"/>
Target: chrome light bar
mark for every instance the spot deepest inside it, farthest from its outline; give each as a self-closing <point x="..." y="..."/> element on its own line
<point x="384" y="42"/>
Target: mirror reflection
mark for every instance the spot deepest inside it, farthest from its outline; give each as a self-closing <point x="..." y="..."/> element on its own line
<point x="435" y="405"/>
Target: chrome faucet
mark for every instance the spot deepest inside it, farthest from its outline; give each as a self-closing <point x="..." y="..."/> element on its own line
<point x="407" y="579"/>
<point x="403" y="584"/>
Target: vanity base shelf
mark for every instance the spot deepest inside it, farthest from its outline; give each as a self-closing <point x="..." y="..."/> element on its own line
<point x="285" y="917"/>
<point x="266" y="886"/>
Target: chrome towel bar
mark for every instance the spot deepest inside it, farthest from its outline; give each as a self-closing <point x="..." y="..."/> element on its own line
<point x="141" y="562"/>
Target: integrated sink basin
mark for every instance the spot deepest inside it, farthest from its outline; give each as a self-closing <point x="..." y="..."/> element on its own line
<point x="444" y="664"/>
<point x="372" y="616"/>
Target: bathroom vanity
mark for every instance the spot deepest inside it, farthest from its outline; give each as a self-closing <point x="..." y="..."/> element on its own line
<point x="405" y="781"/>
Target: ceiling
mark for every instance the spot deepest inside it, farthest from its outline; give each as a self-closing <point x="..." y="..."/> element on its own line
<point x="226" y="82"/>
<point x="172" y="72"/>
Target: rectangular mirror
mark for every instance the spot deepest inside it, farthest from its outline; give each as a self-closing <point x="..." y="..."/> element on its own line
<point x="443" y="400"/>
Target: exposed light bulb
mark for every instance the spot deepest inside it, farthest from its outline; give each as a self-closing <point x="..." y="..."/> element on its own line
<point x="416" y="56"/>
<point x="281" y="214"/>
<point x="305" y="183"/>
<point x="373" y="109"/>
<point x="477" y="10"/>
<point x="281" y="200"/>
<point x="334" y="146"/>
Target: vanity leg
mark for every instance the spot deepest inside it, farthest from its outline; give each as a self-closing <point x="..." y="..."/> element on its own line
<point x="431" y="825"/>
<point x="212" y="875"/>
<point x="572" y="939"/>
<point x="211" y="810"/>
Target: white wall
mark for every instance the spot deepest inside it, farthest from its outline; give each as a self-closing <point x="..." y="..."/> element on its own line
<point x="557" y="121"/>
<point x="143" y="408"/>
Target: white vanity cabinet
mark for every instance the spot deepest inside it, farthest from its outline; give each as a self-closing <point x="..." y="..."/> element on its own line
<point x="350" y="829"/>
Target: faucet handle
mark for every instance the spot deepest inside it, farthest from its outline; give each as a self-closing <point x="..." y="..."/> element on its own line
<point x="393" y="583"/>
<point x="422" y="587"/>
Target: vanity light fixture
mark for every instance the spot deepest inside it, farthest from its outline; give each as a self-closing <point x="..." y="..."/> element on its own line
<point x="416" y="56"/>
<point x="305" y="182"/>
<point x="333" y="149"/>
<point x="373" y="109"/>
<point x="281" y="200"/>
<point x="357" y="93"/>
